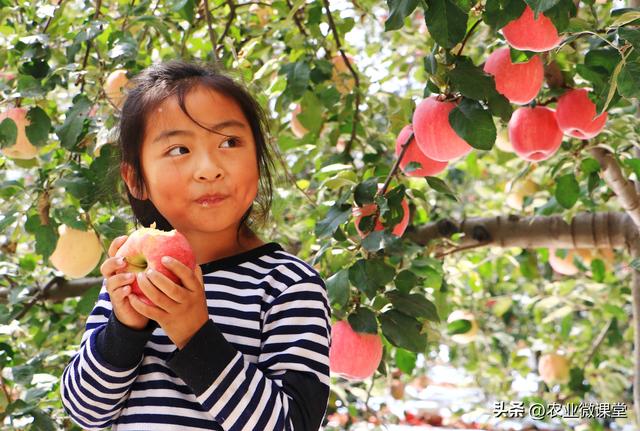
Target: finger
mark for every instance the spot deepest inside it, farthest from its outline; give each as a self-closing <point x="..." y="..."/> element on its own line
<point x="154" y="294"/>
<point x="148" y="311"/>
<point x="166" y="286"/>
<point x="119" y="280"/>
<point x="119" y="294"/>
<point x="183" y="272"/>
<point x="116" y="244"/>
<point x="111" y="265"/>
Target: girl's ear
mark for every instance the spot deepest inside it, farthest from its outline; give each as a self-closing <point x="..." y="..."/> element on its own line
<point x="126" y="171"/>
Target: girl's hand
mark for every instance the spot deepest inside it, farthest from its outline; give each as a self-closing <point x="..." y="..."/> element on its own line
<point x="119" y="288"/>
<point x="180" y="311"/>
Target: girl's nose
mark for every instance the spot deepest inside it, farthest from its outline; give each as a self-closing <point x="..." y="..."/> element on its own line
<point x="207" y="168"/>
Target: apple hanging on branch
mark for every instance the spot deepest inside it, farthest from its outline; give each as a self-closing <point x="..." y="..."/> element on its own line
<point x="576" y="115"/>
<point x="428" y="167"/>
<point x="23" y="148"/>
<point x="534" y="133"/>
<point x="528" y="33"/>
<point x="518" y="82"/>
<point x="353" y="355"/>
<point x="145" y="247"/>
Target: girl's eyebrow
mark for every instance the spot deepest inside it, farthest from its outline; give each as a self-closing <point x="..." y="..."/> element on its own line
<point x="175" y="132"/>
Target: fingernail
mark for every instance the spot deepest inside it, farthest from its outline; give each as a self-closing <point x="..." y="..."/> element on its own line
<point x="166" y="259"/>
<point x="121" y="261"/>
<point x="129" y="276"/>
<point x="149" y="271"/>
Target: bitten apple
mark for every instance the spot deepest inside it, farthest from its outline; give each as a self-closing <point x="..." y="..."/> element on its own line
<point x="471" y="334"/>
<point x="77" y="252"/>
<point x="414" y="154"/>
<point x="534" y="133"/>
<point x="576" y="115"/>
<point x="553" y="368"/>
<point x="368" y="209"/>
<point x="145" y="247"/>
<point x="353" y="355"/>
<point x="434" y="134"/>
<point x="518" y="82"/>
<point x="114" y="87"/>
<point x="341" y="75"/>
<point x="23" y="148"/>
<point x="527" y="33"/>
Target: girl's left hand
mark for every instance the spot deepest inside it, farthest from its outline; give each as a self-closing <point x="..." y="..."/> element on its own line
<point x="179" y="310"/>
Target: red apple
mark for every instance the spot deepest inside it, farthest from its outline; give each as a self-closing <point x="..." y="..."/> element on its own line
<point x="519" y="82"/>
<point x="576" y="115"/>
<point x="414" y="154"/>
<point x="434" y="134"/>
<point x="534" y="133"/>
<point x="353" y="355"/>
<point x="23" y="148"/>
<point x="145" y="247"/>
<point x="368" y="209"/>
<point x="529" y="34"/>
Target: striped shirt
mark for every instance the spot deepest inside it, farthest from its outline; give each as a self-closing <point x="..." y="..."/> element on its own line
<point x="259" y="363"/>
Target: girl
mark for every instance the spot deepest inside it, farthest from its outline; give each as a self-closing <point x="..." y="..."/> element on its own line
<point x="243" y="344"/>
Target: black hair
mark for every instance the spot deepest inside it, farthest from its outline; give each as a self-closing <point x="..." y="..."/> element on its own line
<point x="150" y="88"/>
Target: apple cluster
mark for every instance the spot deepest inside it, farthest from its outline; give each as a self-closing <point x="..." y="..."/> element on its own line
<point x="535" y="132"/>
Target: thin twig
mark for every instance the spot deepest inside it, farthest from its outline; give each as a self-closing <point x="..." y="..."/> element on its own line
<point x="356" y="111"/>
<point x="46" y="26"/>
<point x="212" y="33"/>
<point x="468" y="35"/>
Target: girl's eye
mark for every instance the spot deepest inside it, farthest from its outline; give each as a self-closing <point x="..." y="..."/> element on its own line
<point x="233" y="141"/>
<point x="175" y="148"/>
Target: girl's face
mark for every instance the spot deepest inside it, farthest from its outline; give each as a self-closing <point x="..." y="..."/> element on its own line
<point x="181" y="162"/>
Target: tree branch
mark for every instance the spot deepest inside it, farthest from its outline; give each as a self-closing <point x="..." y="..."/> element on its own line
<point x="623" y="188"/>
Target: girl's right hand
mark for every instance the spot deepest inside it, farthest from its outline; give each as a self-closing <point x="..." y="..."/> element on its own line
<point x="119" y="287"/>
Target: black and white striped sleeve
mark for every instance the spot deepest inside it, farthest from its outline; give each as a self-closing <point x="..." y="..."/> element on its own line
<point x="97" y="380"/>
<point x="288" y="387"/>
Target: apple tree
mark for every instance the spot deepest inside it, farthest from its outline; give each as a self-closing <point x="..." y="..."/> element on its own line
<point x="464" y="174"/>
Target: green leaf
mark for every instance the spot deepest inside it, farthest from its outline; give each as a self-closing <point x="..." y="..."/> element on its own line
<point x="70" y="131"/>
<point x="474" y="124"/>
<point x="8" y="133"/>
<point x="567" y="190"/>
<point x="598" y="270"/>
<point x="629" y="80"/>
<point x="631" y="35"/>
<point x="363" y="320"/>
<point x="398" y="11"/>
<point x="498" y="13"/>
<point x="338" y="288"/>
<point x="311" y="113"/>
<point x="441" y="187"/>
<point x="560" y="14"/>
<point x="447" y="23"/>
<point x="298" y="76"/>
<point x="338" y="214"/>
<point x="365" y="191"/>
<point x="405" y="281"/>
<point x="405" y="360"/>
<point x="403" y="331"/>
<point x="539" y="6"/>
<point x="46" y="239"/>
<point x="459" y="326"/>
<point x="370" y="275"/>
<point x="471" y="80"/>
<point x="414" y="304"/>
<point x="589" y="165"/>
<point x="38" y="129"/>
